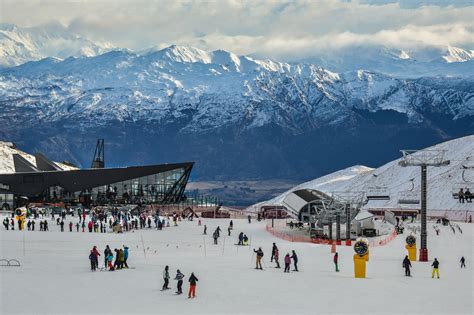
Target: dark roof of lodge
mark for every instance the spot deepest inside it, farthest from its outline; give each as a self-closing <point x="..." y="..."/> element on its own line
<point x="34" y="183"/>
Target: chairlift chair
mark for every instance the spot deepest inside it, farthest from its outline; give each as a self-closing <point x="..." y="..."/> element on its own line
<point x="409" y="197"/>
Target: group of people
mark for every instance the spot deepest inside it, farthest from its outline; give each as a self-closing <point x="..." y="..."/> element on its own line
<point x="276" y="257"/>
<point x="121" y="256"/>
<point x="179" y="277"/>
<point x="464" y="195"/>
<point x="9" y="224"/>
<point x="406" y="264"/>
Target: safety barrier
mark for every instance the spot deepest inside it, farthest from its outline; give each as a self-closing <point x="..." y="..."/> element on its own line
<point x="306" y="239"/>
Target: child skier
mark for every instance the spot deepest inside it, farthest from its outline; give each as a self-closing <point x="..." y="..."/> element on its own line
<point x="192" y="286"/>
<point x="258" y="262"/>
<point x="166" y="277"/>
<point x="435" y="266"/>
<point x="407" y="265"/>
<point x="336" y="259"/>
<point x="287" y="263"/>
<point x="179" y="277"/>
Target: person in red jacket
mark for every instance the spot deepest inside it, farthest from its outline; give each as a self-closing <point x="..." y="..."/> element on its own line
<point x="287" y="263"/>
<point x="97" y="254"/>
<point x="89" y="226"/>
<point x="336" y="258"/>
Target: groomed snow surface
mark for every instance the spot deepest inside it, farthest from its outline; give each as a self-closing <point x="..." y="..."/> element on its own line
<point x="55" y="275"/>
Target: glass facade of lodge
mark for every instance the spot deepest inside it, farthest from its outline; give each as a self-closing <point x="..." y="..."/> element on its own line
<point x="143" y="184"/>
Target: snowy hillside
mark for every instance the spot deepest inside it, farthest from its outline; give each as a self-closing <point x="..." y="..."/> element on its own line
<point x="397" y="180"/>
<point x="7" y="149"/>
<point x="19" y="45"/>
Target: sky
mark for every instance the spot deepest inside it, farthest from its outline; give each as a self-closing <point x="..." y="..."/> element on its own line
<point x="287" y="30"/>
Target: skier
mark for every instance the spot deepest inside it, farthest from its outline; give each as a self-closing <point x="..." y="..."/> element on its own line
<point x="463" y="262"/>
<point x="166" y="277"/>
<point x="70" y="226"/>
<point x="45" y="225"/>
<point x="192" y="286"/>
<point x="215" y="235"/>
<point x="125" y="256"/>
<point x="218" y="231"/>
<point x="276" y="256"/>
<point x="407" y="265"/>
<point x="231" y="224"/>
<point x="121" y="258"/>
<point x="295" y="260"/>
<point x="107" y="253"/>
<point x="258" y="262"/>
<point x="249" y="217"/>
<point x="77" y="226"/>
<point x="336" y="259"/>
<point x="94" y="260"/>
<point x="228" y="230"/>
<point x="179" y="277"/>
<point x="274" y="247"/>
<point x="435" y="266"/>
<point x="83" y="226"/>
<point x="33" y="225"/>
<point x="205" y="229"/>
<point x="287" y="263"/>
<point x="116" y="262"/>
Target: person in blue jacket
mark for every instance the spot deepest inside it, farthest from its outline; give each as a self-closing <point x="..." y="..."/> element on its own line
<point x="125" y="256"/>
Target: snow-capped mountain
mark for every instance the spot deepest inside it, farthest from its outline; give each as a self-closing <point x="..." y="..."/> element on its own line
<point x="20" y="44"/>
<point x="237" y="115"/>
<point x="404" y="63"/>
<point x="401" y="182"/>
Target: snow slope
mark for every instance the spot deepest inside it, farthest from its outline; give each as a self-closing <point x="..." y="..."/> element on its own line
<point x="55" y="278"/>
<point x="397" y="180"/>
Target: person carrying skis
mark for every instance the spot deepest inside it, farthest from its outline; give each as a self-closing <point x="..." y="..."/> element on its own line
<point x="179" y="277"/>
<point x="287" y="263"/>
<point x="166" y="278"/>
<point x="463" y="262"/>
<point x="258" y="262"/>
<point x="336" y="259"/>
<point x="407" y="265"/>
<point x="435" y="266"/>
<point x="192" y="285"/>
<point x="295" y="260"/>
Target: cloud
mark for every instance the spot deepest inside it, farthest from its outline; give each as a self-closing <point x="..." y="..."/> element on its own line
<point x="278" y="29"/>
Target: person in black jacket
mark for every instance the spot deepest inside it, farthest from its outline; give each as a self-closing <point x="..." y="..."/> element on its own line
<point x="435" y="266"/>
<point x="179" y="277"/>
<point x="463" y="262"/>
<point x="407" y="265"/>
<point x="192" y="285"/>
<point x="295" y="260"/>
<point x="274" y="248"/>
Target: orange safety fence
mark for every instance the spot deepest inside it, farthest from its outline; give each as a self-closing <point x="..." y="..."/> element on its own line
<point x="306" y="239"/>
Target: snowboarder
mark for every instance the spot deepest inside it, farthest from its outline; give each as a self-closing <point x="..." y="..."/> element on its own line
<point x="241" y="238"/>
<point x="192" y="286"/>
<point x="407" y="265"/>
<point x="295" y="260"/>
<point x="435" y="266"/>
<point x="246" y="240"/>
<point x="179" y="277"/>
<point x="166" y="277"/>
<point x="463" y="262"/>
<point x="287" y="263"/>
<point x="336" y="259"/>
<point x="258" y="262"/>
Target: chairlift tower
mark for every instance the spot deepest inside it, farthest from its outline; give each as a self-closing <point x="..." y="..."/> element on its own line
<point x="423" y="159"/>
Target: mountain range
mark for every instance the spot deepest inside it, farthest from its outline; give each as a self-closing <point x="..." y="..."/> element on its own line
<point x="237" y="117"/>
